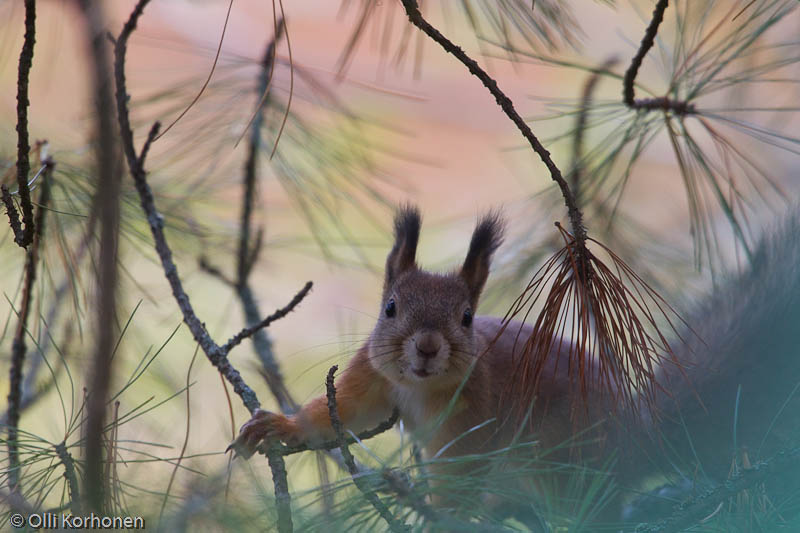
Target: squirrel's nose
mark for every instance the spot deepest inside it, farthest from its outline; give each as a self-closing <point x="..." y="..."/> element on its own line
<point x="427" y="355"/>
<point x="428" y="346"/>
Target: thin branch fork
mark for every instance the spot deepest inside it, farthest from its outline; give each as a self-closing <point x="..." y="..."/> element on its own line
<point x="18" y="348"/>
<point x="248" y="251"/>
<point x="216" y="354"/>
<point x="628" y="94"/>
<point x="277" y="315"/>
<point x="349" y="460"/>
<point x="383" y="427"/>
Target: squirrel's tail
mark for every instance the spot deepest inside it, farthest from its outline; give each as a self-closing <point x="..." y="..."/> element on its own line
<point x="743" y="365"/>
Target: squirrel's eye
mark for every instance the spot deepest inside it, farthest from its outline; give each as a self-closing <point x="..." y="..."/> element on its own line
<point x="466" y="320"/>
<point x="390" y="309"/>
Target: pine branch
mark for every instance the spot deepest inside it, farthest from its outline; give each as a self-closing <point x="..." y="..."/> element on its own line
<point x="384" y="426"/>
<point x="575" y="214"/>
<point x="277" y="315"/>
<point x="23" y="237"/>
<point x="349" y="460"/>
<point x="69" y="475"/>
<point x="628" y="94"/>
<point x="18" y="348"/>
<point x="215" y="354"/>
<point x="647" y="43"/>
<point x="281" y="485"/>
<point x="107" y="211"/>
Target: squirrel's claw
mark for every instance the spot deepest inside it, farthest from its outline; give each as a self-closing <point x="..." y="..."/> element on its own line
<point x="261" y="426"/>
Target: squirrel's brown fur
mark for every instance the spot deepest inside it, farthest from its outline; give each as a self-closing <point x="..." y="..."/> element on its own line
<point x="425" y="343"/>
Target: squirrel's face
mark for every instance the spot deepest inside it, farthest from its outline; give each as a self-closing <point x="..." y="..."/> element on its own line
<point x="424" y="333"/>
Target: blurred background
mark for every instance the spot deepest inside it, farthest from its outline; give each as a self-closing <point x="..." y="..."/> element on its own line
<point x="378" y="116"/>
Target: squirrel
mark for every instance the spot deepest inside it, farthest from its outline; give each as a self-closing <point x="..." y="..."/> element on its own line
<point x="429" y="343"/>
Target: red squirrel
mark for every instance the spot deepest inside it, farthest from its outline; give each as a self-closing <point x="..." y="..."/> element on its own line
<point x="429" y="339"/>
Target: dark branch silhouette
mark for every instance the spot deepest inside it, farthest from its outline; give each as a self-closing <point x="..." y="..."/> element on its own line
<point x="628" y="94"/>
<point x="575" y="215"/>
<point x="107" y="212"/>
<point x="18" y="347"/>
<point x="217" y="355"/>
<point x="645" y="46"/>
<point x="23" y="237"/>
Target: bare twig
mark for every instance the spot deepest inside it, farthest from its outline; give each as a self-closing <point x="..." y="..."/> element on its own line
<point x="575" y="215"/>
<point x="106" y="205"/>
<point x="148" y="142"/>
<point x="650" y="104"/>
<point x="349" y="460"/>
<point x="253" y="148"/>
<point x="280" y="313"/>
<point x="248" y="251"/>
<point x="18" y="348"/>
<point x="23" y="237"/>
<point x="136" y="166"/>
<point x="384" y="426"/>
<point x="662" y="103"/>
<point x="647" y="43"/>
<point x="216" y="354"/>
<point x="281" y="485"/>
<point x="263" y="348"/>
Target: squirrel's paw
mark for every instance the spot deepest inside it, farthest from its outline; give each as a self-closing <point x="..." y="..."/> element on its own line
<point x="262" y="426"/>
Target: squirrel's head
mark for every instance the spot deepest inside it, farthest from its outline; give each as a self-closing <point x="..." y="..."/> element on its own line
<point x="424" y="332"/>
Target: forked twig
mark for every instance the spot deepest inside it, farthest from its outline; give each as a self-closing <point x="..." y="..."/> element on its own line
<point x="23" y="237"/>
<point x="18" y="348"/>
<point x="213" y="351"/>
<point x="277" y="315"/>
<point x="349" y="460"/>
<point x="216" y="354"/>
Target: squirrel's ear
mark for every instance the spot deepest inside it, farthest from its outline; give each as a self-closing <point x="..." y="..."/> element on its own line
<point x="407" y="222"/>
<point x="486" y="238"/>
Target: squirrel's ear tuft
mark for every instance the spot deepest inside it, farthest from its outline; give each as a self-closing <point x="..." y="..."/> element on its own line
<point x="407" y="223"/>
<point x="486" y="238"/>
